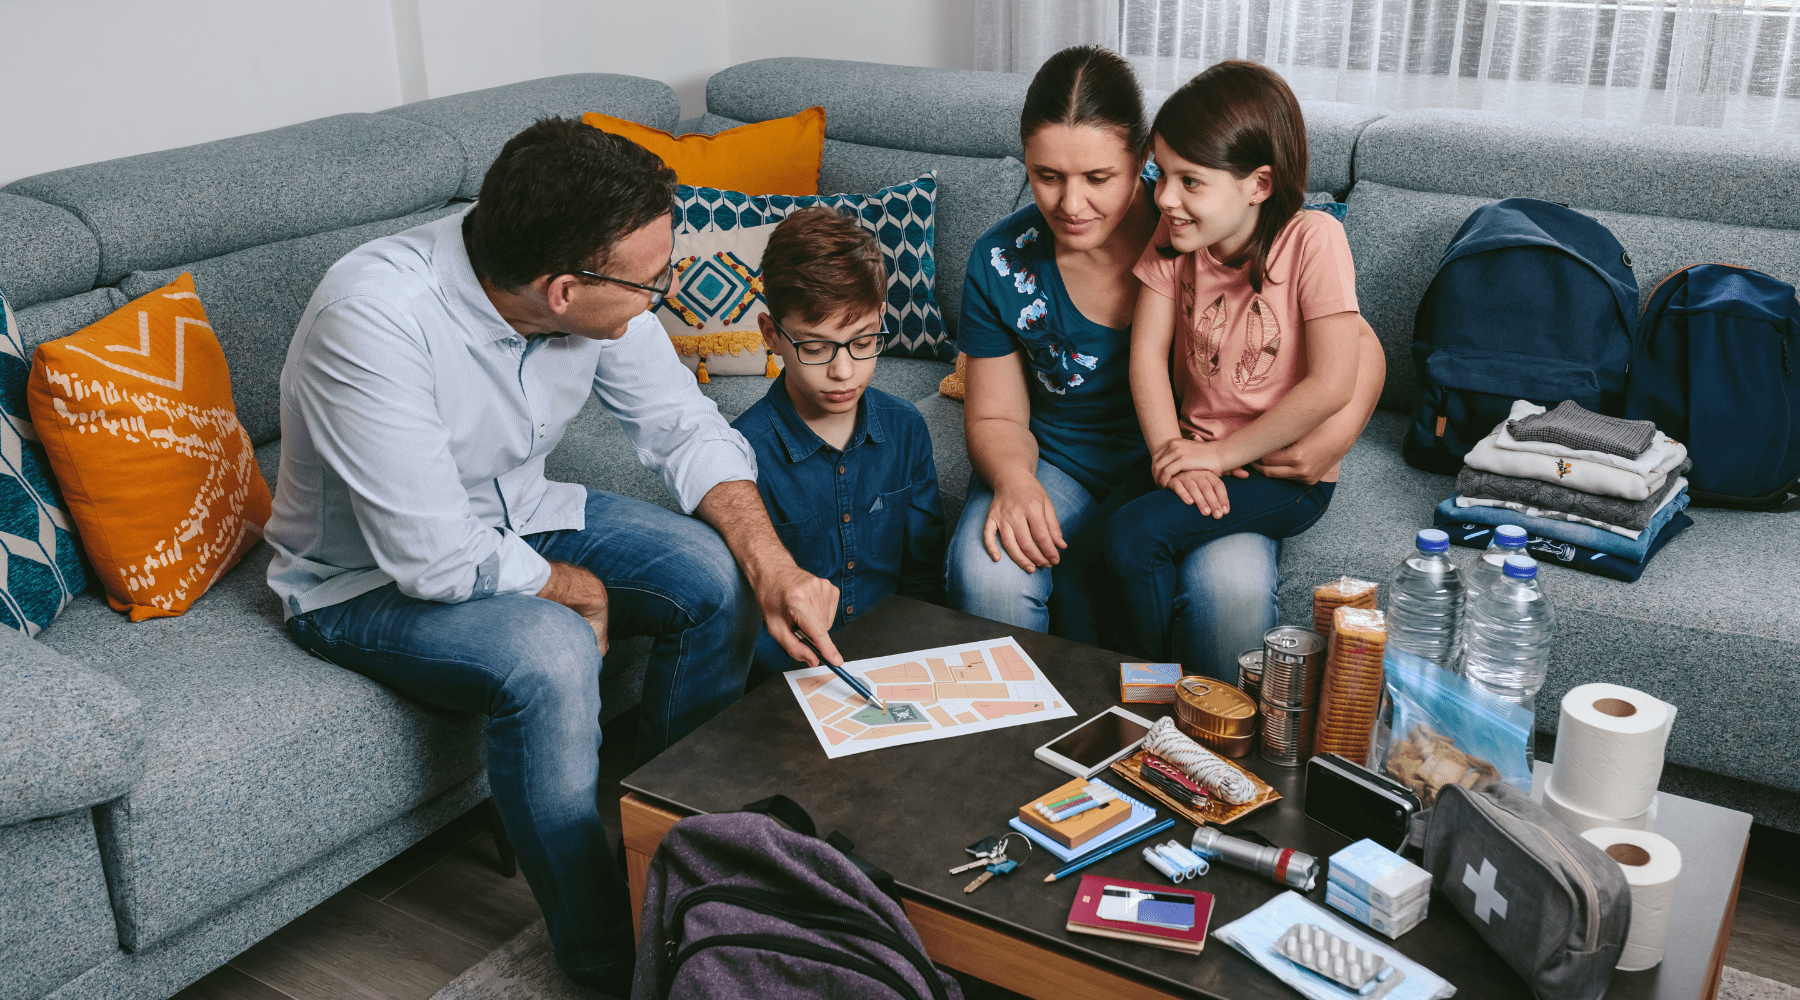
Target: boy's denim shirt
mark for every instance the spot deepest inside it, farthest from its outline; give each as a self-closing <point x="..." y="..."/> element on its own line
<point x="867" y="518"/>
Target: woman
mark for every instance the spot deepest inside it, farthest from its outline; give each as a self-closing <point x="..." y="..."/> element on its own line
<point x="1052" y="433"/>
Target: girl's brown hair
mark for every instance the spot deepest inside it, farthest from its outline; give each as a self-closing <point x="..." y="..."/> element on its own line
<point x="1237" y="116"/>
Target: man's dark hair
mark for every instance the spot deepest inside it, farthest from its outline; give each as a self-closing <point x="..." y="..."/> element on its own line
<point x="558" y="199"/>
<point x="820" y="262"/>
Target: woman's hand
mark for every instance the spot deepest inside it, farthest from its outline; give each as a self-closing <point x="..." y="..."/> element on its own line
<point x="1023" y="522"/>
<point x="1204" y="490"/>
<point x="1178" y="454"/>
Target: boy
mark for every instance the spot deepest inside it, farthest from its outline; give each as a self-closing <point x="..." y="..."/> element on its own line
<point x="846" y="470"/>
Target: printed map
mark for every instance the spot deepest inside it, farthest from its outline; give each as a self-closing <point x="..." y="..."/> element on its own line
<point x="931" y="694"/>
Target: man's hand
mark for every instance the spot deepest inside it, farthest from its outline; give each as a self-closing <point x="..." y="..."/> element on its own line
<point x="1178" y="454"/>
<point x="1203" y="490"/>
<point x="581" y="591"/>
<point x="789" y="596"/>
<point x="1022" y="520"/>
<point x="793" y="598"/>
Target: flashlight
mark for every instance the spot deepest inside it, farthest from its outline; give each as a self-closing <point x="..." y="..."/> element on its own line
<point x="1284" y="865"/>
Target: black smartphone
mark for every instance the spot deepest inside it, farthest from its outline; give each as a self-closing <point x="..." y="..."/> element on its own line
<point x="1356" y="802"/>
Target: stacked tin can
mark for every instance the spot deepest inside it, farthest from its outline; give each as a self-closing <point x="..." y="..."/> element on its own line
<point x="1215" y="715"/>
<point x="1293" y="665"/>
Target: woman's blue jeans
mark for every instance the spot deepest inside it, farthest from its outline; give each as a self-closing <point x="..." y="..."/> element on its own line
<point x="1223" y="603"/>
<point x="532" y="667"/>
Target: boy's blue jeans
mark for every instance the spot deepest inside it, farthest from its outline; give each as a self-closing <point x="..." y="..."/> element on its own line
<point x="1150" y="538"/>
<point x="531" y="666"/>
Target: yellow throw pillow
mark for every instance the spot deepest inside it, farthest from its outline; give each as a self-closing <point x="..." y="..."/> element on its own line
<point x="135" y="414"/>
<point x="773" y="157"/>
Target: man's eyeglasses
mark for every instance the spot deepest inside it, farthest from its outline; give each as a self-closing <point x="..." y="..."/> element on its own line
<point x="658" y="291"/>
<point x="823" y="352"/>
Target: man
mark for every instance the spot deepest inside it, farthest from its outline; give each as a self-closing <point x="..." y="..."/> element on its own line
<point x="417" y="541"/>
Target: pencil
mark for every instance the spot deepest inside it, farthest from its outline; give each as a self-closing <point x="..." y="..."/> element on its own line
<point x="1109" y="850"/>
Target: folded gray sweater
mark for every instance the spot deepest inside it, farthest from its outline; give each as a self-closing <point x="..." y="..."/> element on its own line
<point x="1573" y="426"/>
<point x="1632" y="515"/>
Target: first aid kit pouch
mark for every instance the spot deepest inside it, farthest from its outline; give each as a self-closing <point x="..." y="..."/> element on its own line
<point x="1554" y="906"/>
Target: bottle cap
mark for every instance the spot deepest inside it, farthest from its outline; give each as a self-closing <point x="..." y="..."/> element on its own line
<point x="1521" y="567"/>
<point x="1433" y="540"/>
<point x="1510" y="536"/>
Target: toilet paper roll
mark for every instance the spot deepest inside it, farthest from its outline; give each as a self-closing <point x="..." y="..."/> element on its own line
<point x="1651" y="865"/>
<point x="1609" y="749"/>
<point x="1580" y="820"/>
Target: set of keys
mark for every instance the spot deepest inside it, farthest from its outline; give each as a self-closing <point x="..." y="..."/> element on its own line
<point x="990" y="853"/>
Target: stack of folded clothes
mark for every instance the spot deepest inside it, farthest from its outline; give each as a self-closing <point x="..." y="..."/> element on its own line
<point x="1596" y="493"/>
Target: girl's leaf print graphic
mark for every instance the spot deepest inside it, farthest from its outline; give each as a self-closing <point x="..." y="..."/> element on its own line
<point x="1206" y="337"/>
<point x="1262" y="343"/>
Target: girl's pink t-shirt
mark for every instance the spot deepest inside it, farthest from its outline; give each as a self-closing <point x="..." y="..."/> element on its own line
<point x="1237" y="352"/>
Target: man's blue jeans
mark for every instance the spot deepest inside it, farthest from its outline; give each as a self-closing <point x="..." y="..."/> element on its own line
<point x="531" y="666"/>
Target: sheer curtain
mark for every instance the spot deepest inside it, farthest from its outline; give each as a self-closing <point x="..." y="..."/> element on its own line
<point x="1731" y="63"/>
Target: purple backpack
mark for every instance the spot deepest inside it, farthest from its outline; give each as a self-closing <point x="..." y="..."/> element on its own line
<point x="738" y="906"/>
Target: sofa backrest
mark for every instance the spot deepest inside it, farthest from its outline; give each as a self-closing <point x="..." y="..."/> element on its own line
<point x="886" y="124"/>
<point x="259" y="218"/>
<point x="1672" y="195"/>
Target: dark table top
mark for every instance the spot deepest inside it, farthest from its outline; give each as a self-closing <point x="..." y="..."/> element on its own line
<point x="912" y="809"/>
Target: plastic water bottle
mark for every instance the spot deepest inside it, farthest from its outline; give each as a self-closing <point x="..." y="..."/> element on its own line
<point x="1509" y="540"/>
<point x="1425" y="602"/>
<point x="1509" y="632"/>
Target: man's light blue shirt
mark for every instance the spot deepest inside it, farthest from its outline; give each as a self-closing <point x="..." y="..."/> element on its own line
<point x="415" y="422"/>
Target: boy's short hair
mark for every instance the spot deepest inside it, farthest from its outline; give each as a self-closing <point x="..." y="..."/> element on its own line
<point x="819" y="263"/>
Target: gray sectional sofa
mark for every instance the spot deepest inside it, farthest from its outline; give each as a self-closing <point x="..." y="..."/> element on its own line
<point x="173" y="791"/>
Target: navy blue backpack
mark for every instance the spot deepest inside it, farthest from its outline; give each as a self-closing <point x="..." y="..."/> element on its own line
<point x="1717" y="351"/>
<point x="1531" y="301"/>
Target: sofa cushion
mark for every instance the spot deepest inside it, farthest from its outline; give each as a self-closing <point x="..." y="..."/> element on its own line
<point x="61" y="317"/>
<point x="958" y="112"/>
<point x="260" y="758"/>
<point x="973" y="193"/>
<point x="56" y="922"/>
<point x="779" y="156"/>
<point x="160" y="209"/>
<point x="1701" y="604"/>
<point x="255" y="297"/>
<point x="69" y="737"/>
<point x="481" y="121"/>
<point x="46" y="254"/>
<point x="1743" y="178"/>
<point x="1398" y="236"/>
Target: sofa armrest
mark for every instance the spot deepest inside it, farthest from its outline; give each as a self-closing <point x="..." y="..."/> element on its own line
<point x="70" y="737"/>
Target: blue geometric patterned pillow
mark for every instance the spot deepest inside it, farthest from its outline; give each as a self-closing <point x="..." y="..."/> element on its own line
<point x="40" y="558"/>
<point x="901" y="220"/>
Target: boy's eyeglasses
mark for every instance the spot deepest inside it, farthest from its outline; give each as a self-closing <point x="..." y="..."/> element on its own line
<point x="823" y="352"/>
<point x="658" y="291"/>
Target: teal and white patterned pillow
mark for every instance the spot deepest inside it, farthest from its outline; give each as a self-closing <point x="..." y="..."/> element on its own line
<point x="900" y="217"/>
<point x="40" y="559"/>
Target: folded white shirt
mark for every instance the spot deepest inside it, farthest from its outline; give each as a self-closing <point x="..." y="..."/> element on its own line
<point x="1589" y="471"/>
<point x="1557" y="515"/>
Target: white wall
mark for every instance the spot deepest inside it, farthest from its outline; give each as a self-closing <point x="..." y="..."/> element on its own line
<point x="86" y="80"/>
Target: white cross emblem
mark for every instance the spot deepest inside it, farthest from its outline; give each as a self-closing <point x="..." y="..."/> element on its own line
<point x="1487" y="900"/>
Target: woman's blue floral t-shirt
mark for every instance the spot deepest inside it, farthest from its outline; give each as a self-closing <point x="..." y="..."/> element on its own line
<point x="1078" y="371"/>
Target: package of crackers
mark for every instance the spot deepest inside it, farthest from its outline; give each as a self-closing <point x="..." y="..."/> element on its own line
<point x="1339" y="592"/>
<point x="1350" y="694"/>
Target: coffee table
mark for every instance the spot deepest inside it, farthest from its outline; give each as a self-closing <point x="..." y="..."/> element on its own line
<point x="911" y="809"/>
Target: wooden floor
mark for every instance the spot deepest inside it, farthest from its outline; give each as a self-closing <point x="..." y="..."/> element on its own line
<point x="406" y="929"/>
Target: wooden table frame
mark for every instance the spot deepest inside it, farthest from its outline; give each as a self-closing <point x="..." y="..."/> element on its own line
<point x="958" y="943"/>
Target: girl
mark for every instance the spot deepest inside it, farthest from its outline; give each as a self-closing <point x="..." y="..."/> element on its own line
<point x="1245" y="335"/>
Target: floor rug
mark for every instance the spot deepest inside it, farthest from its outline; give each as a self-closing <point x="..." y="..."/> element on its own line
<point x="525" y="969"/>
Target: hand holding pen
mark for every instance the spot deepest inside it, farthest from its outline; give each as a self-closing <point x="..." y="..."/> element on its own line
<point x="859" y="687"/>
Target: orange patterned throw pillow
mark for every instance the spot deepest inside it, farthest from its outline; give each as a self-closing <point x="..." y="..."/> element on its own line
<point x="135" y="414"/>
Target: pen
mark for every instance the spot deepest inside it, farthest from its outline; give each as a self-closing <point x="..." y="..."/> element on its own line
<point x="855" y="685"/>
<point x="1109" y="850"/>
